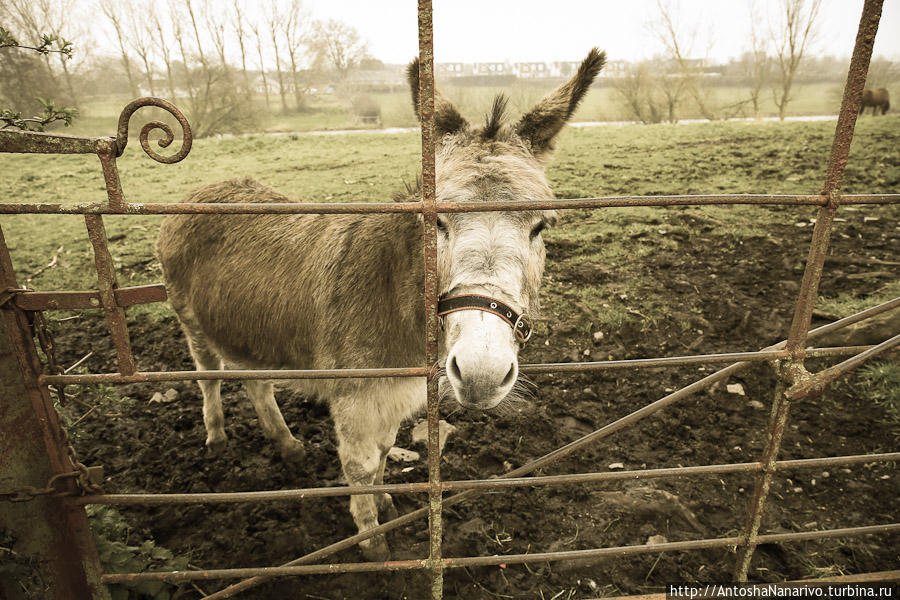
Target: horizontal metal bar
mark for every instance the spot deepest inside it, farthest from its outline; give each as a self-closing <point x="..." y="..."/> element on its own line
<point x="637" y="363"/>
<point x="557" y="454"/>
<point x="873" y="577"/>
<point x="213" y="208"/>
<point x="506" y="559"/>
<point x="226" y="375"/>
<point x="481" y="561"/>
<point x="819" y="381"/>
<point x="70" y="300"/>
<point x="37" y="142"/>
<point x="662" y="200"/>
<point x="451" y="486"/>
<point x="249" y="208"/>
<point x="833" y="461"/>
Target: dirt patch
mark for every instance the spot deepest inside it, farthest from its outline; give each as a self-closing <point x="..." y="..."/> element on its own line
<point x="725" y="294"/>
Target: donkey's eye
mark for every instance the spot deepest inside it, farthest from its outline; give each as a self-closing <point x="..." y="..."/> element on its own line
<point x="442" y="225"/>
<point x="537" y="229"/>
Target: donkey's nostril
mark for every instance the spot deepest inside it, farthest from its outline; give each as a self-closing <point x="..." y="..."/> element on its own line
<point x="453" y="369"/>
<point x="510" y="376"/>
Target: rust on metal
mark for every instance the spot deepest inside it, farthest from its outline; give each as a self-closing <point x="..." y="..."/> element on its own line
<point x="840" y="151"/>
<point x="554" y="456"/>
<point x="246" y="208"/>
<point x="106" y="152"/>
<point x="499" y="483"/>
<point x="764" y="483"/>
<point x="89" y="378"/>
<point x="106" y="276"/>
<point x="169" y="135"/>
<point x="76" y="299"/>
<point x="579" y="367"/>
<point x="38" y="142"/>
<point x="503" y="559"/>
<point x="429" y="248"/>
<point x="818" y="382"/>
<point x="792" y="351"/>
<point x="876" y="577"/>
<point x="49" y="532"/>
<point x="812" y="275"/>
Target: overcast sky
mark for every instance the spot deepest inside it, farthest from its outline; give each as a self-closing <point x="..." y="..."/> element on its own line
<point x="547" y="30"/>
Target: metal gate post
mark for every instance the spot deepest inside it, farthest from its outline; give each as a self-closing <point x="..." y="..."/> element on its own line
<point x="793" y="371"/>
<point x="51" y="547"/>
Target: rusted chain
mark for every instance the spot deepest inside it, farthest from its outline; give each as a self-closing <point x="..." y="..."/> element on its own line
<point x="29" y="492"/>
<point x="86" y="478"/>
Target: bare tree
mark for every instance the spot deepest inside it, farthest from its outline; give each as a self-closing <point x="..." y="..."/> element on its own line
<point x="255" y="28"/>
<point x="273" y="20"/>
<point x="295" y="30"/>
<point x="337" y="46"/>
<point x="759" y="65"/>
<point x="882" y="72"/>
<point x="141" y="37"/>
<point x="677" y="47"/>
<point x="113" y="9"/>
<point x="241" y="34"/>
<point x="179" y="35"/>
<point x="58" y="18"/>
<point x="189" y="7"/>
<point x="794" y="34"/>
<point x="165" y="52"/>
<point x="30" y="19"/>
<point x="215" y="25"/>
<point x="650" y="92"/>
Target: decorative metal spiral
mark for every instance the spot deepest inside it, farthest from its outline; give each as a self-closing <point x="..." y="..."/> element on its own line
<point x="134" y="105"/>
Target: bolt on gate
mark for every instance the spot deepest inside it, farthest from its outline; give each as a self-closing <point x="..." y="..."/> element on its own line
<point x="50" y="521"/>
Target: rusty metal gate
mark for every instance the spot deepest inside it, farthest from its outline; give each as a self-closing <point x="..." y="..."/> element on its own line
<point x="49" y="486"/>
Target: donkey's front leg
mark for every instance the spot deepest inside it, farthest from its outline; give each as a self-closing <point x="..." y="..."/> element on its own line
<point x="363" y="443"/>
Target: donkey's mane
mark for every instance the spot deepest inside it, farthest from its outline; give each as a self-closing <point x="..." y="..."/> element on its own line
<point x="494" y="119"/>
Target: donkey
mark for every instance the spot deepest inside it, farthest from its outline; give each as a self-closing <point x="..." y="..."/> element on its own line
<point x="345" y="291"/>
<point x="877" y="99"/>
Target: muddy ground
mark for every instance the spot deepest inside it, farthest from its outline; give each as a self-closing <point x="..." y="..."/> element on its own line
<point x="726" y="294"/>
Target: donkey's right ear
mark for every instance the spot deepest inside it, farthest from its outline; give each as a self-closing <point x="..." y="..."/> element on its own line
<point x="446" y="118"/>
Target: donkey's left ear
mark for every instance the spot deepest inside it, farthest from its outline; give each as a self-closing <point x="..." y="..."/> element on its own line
<point x="446" y="118"/>
<point x="539" y="126"/>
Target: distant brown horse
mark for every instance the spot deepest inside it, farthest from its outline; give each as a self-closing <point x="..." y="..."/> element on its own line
<point x="876" y="99"/>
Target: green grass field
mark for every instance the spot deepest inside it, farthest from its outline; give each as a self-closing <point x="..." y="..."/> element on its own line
<point x="98" y="114"/>
<point x="610" y="160"/>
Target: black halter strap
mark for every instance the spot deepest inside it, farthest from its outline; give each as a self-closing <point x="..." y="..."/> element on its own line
<point x="521" y="324"/>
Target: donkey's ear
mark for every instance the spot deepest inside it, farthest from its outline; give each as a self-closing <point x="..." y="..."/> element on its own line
<point x="446" y="118"/>
<point x="539" y="126"/>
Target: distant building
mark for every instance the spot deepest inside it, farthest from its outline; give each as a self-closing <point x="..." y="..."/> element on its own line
<point x="491" y="68"/>
<point x="531" y="70"/>
<point x="563" y="68"/>
<point x="451" y="69"/>
<point x="615" y="68"/>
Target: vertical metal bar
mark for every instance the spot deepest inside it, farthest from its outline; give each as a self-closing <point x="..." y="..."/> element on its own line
<point x="106" y="152"/>
<point x="792" y="370"/>
<point x="52" y="539"/>
<point x="429" y="210"/>
<point x="778" y="423"/>
<point x="106" y="276"/>
<point x="840" y="151"/>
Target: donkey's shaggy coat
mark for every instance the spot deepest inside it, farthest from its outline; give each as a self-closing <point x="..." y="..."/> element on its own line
<point x="327" y="292"/>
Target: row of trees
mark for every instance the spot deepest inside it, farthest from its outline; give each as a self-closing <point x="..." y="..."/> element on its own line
<point x="214" y="57"/>
<point x="654" y="90"/>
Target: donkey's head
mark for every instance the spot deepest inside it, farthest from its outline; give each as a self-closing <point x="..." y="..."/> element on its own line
<point x="490" y="264"/>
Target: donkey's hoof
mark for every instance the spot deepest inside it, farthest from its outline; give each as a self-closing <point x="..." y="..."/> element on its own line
<point x="292" y="451"/>
<point x="375" y="549"/>
<point x="216" y="447"/>
<point x="386" y="509"/>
